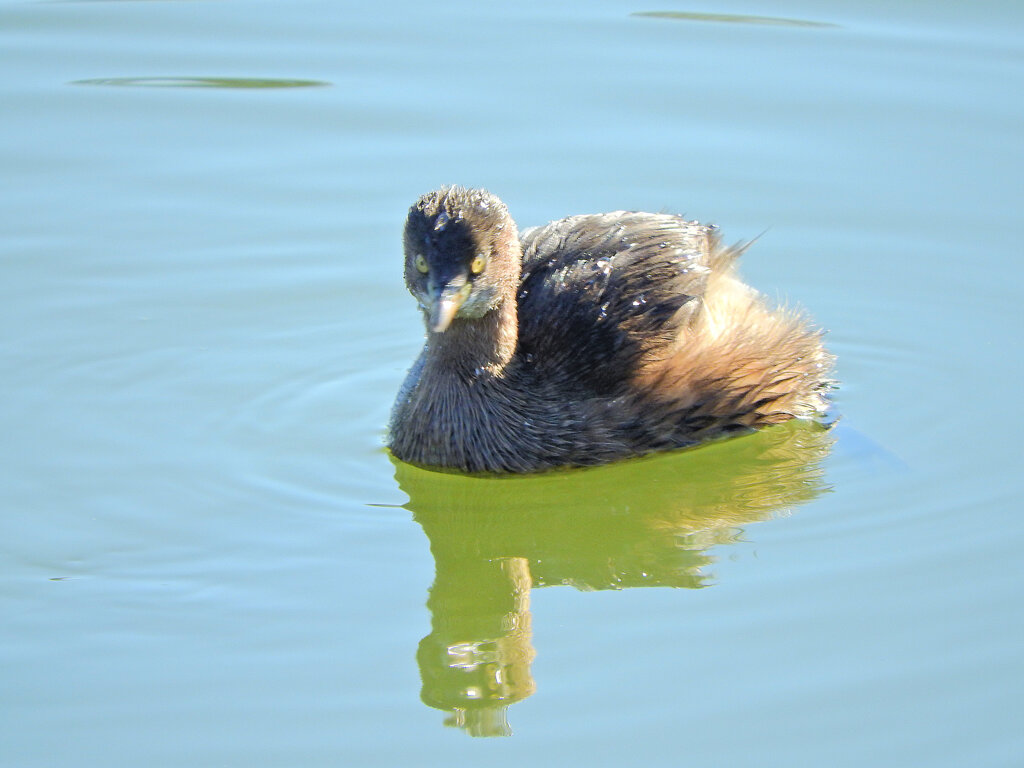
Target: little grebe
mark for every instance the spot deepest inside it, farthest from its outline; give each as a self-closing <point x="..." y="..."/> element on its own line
<point x="586" y="340"/>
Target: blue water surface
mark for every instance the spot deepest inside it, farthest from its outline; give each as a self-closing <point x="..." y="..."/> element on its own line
<point x="209" y="558"/>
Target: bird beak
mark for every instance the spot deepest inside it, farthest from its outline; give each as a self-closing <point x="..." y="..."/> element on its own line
<point x="446" y="305"/>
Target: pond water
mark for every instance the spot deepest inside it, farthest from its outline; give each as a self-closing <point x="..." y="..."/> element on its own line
<point x="210" y="559"/>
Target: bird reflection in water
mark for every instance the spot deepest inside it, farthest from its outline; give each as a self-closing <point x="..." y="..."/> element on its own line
<point x="649" y="522"/>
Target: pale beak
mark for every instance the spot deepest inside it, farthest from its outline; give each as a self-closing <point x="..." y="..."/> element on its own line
<point x="444" y="308"/>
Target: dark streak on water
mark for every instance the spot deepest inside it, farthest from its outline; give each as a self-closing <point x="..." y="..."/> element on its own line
<point x="730" y="18"/>
<point x="200" y="82"/>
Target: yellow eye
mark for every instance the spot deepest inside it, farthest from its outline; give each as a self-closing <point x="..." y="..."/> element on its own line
<point x="421" y="263"/>
<point x="477" y="265"/>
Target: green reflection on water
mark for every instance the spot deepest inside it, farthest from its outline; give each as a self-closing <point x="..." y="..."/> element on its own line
<point x="200" y="82"/>
<point x="730" y="18"/>
<point x="641" y="523"/>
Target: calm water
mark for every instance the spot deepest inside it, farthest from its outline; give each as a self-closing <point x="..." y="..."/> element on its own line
<point x="209" y="559"/>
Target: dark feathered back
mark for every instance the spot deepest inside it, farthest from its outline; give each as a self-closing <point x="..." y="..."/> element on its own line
<point x="618" y="285"/>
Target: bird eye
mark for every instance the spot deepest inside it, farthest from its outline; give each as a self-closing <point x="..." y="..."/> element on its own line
<point x="421" y="263"/>
<point x="477" y="265"/>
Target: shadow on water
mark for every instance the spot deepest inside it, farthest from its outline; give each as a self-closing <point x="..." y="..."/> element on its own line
<point x="642" y="523"/>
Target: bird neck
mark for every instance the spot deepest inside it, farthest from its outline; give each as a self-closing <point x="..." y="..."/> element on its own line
<point x="474" y="346"/>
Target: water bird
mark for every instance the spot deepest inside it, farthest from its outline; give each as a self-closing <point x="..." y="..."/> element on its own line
<point x="586" y="340"/>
